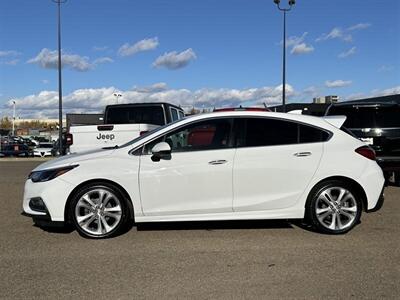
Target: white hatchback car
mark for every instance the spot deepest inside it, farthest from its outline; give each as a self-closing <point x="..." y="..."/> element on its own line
<point x="219" y="166"/>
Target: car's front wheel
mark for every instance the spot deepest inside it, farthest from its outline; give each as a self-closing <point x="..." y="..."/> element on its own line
<point x="99" y="211"/>
<point x="334" y="207"/>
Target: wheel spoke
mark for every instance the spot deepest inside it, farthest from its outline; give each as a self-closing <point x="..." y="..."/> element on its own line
<point x="349" y="216"/>
<point x="81" y="219"/>
<point x="99" y="226"/>
<point x="88" y="200"/>
<point x="322" y="210"/>
<point x="324" y="197"/>
<point x="88" y="222"/>
<point x="106" y="227"/>
<point x="351" y="209"/>
<point x="113" y="209"/>
<point x="341" y="194"/>
<point x="323" y="216"/>
<point x="333" y="222"/>
<point x="339" y="222"/>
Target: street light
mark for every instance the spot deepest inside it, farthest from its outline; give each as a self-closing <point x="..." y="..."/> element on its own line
<point x="284" y="10"/>
<point x="117" y="95"/>
<point x="60" y="127"/>
<point x="13" y="123"/>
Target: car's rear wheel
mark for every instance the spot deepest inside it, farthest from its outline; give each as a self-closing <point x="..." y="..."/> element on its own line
<point x="334" y="207"/>
<point x="99" y="211"/>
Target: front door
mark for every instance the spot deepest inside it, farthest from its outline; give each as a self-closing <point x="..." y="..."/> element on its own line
<point x="196" y="178"/>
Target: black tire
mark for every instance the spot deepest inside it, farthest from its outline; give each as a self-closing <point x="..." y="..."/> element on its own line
<point x="334" y="218"/>
<point x="117" y="197"/>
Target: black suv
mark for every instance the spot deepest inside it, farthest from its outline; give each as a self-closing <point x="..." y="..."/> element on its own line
<point x="377" y="124"/>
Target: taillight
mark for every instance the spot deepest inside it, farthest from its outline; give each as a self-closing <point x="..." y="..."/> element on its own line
<point x="68" y="139"/>
<point x="144" y="132"/>
<point x="366" y="152"/>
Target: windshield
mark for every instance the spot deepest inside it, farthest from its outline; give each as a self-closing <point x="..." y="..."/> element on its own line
<point x="148" y="133"/>
<point x="368" y="116"/>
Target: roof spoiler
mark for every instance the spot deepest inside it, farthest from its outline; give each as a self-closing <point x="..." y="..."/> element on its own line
<point x="336" y="121"/>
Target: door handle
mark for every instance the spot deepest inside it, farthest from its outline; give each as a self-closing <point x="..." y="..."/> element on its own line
<point x="301" y="154"/>
<point x="217" y="162"/>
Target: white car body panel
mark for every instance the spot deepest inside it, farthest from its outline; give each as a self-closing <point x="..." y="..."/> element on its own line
<point x="231" y="191"/>
<point x="278" y="176"/>
<point x="187" y="184"/>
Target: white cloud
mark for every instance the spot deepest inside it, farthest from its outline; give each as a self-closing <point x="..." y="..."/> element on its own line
<point x="337" y="83"/>
<point x="143" y="45"/>
<point x="385" y="68"/>
<point x="359" y="26"/>
<point x="99" y="48"/>
<point x="45" y="81"/>
<point x="156" y="87"/>
<point x="295" y="40"/>
<point x="45" y="103"/>
<point x="335" y="33"/>
<point x="302" y="49"/>
<point x="103" y="60"/>
<point x="174" y="60"/>
<point x="11" y="62"/>
<point x="348" y="53"/>
<point x="5" y="53"/>
<point x="48" y="59"/>
<point x="386" y="92"/>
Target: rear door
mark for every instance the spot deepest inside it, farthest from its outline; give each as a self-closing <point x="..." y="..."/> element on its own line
<point x="274" y="162"/>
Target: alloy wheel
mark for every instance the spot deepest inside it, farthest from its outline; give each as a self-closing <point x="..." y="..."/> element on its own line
<point x="336" y="208"/>
<point x="98" y="212"/>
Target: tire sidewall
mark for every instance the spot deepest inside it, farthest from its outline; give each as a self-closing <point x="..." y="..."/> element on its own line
<point x="110" y="188"/>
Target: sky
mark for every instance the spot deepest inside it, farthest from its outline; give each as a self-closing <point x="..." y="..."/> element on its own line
<point x="208" y="53"/>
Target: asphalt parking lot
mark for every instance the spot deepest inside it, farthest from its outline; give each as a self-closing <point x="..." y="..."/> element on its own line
<point x="269" y="259"/>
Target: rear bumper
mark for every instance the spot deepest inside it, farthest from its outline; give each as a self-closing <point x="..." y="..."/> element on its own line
<point x="379" y="203"/>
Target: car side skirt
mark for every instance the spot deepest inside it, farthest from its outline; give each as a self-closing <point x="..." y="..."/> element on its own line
<point x="250" y="215"/>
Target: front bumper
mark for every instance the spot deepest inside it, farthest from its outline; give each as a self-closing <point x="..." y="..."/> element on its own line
<point x="53" y="193"/>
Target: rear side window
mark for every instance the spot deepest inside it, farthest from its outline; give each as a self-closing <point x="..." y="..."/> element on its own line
<point x="136" y="115"/>
<point x="181" y="114"/>
<point x="269" y="132"/>
<point x="272" y="132"/>
<point x="308" y="134"/>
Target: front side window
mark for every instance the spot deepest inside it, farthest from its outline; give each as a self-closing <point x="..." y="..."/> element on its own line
<point x="204" y="135"/>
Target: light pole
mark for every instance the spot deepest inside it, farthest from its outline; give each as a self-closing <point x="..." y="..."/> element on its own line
<point x="117" y="95"/>
<point x="60" y="127"/>
<point x="13" y="123"/>
<point x="284" y="10"/>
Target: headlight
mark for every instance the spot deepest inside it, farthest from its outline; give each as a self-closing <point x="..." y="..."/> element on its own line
<point x="46" y="175"/>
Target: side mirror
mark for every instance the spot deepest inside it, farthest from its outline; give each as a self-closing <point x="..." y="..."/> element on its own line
<point x="161" y="150"/>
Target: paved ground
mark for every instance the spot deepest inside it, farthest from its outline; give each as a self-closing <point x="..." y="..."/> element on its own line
<point x="269" y="260"/>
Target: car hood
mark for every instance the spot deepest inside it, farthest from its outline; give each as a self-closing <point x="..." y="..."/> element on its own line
<point x="73" y="158"/>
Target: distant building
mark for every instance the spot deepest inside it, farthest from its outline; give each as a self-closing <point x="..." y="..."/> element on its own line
<point x="326" y="99"/>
